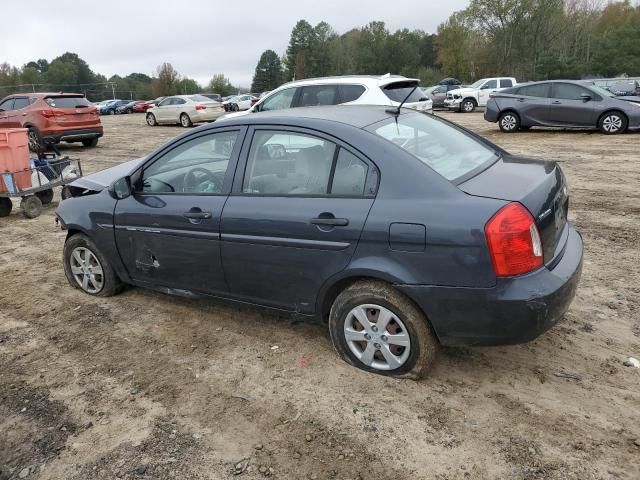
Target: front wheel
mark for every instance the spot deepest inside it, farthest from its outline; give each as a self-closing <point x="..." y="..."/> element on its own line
<point x="468" y="105"/>
<point x="87" y="269"/>
<point x="151" y="120"/>
<point x="90" y="142"/>
<point x="612" y="123"/>
<point x="377" y="329"/>
<point x="185" y="121"/>
<point x="5" y="206"/>
<point x="509" y="122"/>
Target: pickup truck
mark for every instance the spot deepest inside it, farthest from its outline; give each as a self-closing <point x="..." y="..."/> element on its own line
<point x="467" y="99"/>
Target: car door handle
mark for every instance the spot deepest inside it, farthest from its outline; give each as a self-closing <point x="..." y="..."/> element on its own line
<point x="522" y="100"/>
<point x="192" y="215"/>
<point x="556" y="102"/>
<point x="330" y="221"/>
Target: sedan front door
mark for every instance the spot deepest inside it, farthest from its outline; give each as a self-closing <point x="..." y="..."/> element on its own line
<point x="569" y="108"/>
<point x="300" y="202"/>
<point x="168" y="231"/>
<point x="163" y="109"/>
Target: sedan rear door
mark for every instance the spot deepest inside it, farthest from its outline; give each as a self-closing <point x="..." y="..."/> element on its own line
<point x="532" y="103"/>
<point x="299" y="203"/>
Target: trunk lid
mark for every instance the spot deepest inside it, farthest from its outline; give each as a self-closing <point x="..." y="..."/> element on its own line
<point x="539" y="185"/>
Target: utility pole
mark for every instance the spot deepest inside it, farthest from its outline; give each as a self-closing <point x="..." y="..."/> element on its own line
<point x="113" y="90"/>
<point x="33" y="87"/>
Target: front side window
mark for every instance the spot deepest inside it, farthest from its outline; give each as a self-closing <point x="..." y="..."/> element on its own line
<point x="165" y="102"/>
<point x="288" y="163"/>
<point x="6" y="105"/>
<point x="568" y="91"/>
<point x="440" y="89"/>
<point x="318" y="95"/>
<point x="279" y="100"/>
<point x="20" y="102"/>
<point x="490" y="84"/>
<point x="447" y="150"/>
<point x="198" y="166"/>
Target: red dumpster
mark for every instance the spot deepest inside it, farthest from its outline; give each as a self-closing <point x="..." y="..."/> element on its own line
<point x="14" y="157"/>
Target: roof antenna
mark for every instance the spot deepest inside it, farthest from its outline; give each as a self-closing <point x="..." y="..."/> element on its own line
<point x="396" y="110"/>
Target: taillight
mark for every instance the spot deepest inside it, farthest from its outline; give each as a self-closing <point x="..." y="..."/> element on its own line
<point x="200" y="107"/>
<point x="514" y="241"/>
<point x="51" y="113"/>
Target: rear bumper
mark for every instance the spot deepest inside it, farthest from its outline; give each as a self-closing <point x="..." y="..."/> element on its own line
<point x="515" y="310"/>
<point x="207" y="116"/>
<point x="75" y="135"/>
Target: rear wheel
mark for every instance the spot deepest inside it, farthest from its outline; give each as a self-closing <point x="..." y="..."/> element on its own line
<point x="45" y="196"/>
<point x="87" y="268"/>
<point x="129" y="110"/>
<point x="5" y="206"/>
<point x="112" y="112"/>
<point x="509" y="122"/>
<point x="91" y="142"/>
<point x="612" y="123"/>
<point x="151" y="120"/>
<point x="35" y="143"/>
<point x="376" y="328"/>
<point x="31" y="206"/>
<point x="468" y="105"/>
<point x="185" y="121"/>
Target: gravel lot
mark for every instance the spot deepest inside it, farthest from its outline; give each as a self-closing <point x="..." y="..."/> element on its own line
<point x="144" y="385"/>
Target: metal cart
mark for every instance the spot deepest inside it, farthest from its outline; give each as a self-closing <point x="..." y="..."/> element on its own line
<point x="47" y="173"/>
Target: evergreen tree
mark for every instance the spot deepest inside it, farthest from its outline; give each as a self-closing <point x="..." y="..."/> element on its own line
<point x="268" y="74"/>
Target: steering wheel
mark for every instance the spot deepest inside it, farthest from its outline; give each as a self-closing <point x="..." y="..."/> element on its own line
<point x="196" y="176"/>
<point x="147" y="184"/>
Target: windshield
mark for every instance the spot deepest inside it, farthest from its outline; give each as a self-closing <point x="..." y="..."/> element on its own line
<point x="447" y="150"/>
<point x="601" y="91"/>
<point x="478" y="84"/>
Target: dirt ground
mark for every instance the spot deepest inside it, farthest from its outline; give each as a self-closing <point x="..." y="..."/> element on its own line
<point x="144" y="385"/>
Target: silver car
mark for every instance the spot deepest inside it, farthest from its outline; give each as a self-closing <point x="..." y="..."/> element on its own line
<point x="185" y="110"/>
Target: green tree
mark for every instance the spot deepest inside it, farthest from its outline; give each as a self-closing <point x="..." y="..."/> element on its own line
<point x="453" y="43"/>
<point x="268" y="74"/>
<point x="187" y="86"/>
<point x="221" y="85"/>
<point x="62" y="75"/>
<point x="297" y="59"/>
<point x="167" y="82"/>
<point x="372" y="55"/>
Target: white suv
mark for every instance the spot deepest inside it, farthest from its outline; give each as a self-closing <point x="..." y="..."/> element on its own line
<point x="466" y="99"/>
<point x="353" y="90"/>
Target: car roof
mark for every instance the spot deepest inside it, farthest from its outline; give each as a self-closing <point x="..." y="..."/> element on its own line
<point x="348" y="79"/>
<point x="358" y="116"/>
<point x="45" y="94"/>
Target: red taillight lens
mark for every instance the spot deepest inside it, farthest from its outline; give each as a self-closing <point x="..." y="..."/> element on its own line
<point x="514" y="241"/>
<point x="51" y="113"/>
<point x="200" y="107"/>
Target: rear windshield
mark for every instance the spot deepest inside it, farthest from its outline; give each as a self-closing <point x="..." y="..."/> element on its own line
<point x="67" y="102"/>
<point x="398" y="91"/>
<point x="447" y="150"/>
<point x="199" y="98"/>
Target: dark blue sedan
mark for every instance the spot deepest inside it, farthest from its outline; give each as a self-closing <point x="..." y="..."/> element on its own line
<point x="399" y="229"/>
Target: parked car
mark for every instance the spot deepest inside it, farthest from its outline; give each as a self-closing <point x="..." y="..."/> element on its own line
<point x="401" y="231"/>
<point x="624" y="89"/>
<point x="239" y="103"/>
<point x="143" y="106"/>
<point x="185" y="110"/>
<point x="562" y="103"/>
<point x="52" y="118"/>
<point x="438" y="94"/>
<point x="128" y="107"/>
<point x="387" y="90"/>
<point x="467" y="99"/>
<point x="110" y="108"/>
<point x="449" y="81"/>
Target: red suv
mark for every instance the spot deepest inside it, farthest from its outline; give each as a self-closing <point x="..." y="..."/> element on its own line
<point x="52" y="118"/>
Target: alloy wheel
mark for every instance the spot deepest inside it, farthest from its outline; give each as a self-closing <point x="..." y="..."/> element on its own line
<point x="468" y="106"/>
<point x="509" y="122"/>
<point x="377" y="337"/>
<point x="34" y="140"/>
<point x="86" y="269"/>
<point x="612" y="123"/>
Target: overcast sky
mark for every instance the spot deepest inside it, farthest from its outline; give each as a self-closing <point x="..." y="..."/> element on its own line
<point x="199" y="38"/>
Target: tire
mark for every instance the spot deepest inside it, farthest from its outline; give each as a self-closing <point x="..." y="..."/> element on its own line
<point x="509" y="122"/>
<point x="468" y="105"/>
<point x="235" y="107"/>
<point x="111" y="112"/>
<point x="35" y="142"/>
<point x="91" y="142"/>
<point x="104" y="284"/>
<point x="128" y="110"/>
<point x="612" y="123"/>
<point x="185" y="120"/>
<point x="151" y="120"/>
<point x="45" y="196"/>
<point x="31" y="206"/>
<point x="5" y="206"/>
<point x="378" y="298"/>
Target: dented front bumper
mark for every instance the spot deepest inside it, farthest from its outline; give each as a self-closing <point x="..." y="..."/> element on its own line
<point x="516" y="310"/>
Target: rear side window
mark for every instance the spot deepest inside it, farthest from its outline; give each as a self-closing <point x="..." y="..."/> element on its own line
<point x="350" y="93"/>
<point x="445" y="149"/>
<point x="199" y="98"/>
<point x="67" y="102"/>
<point x="540" y="90"/>
<point x="318" y="95"/>
<point x="506" y="83"/>
<point x="350" y="175"/>
<point x="398" y="91"/>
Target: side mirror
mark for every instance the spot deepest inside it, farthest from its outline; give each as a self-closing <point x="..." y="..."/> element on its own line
<point x="585" y="97"/>
<point x="121" y="188"/>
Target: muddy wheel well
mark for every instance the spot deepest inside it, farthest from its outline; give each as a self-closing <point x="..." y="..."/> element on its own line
<point x="337" y="288"/>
